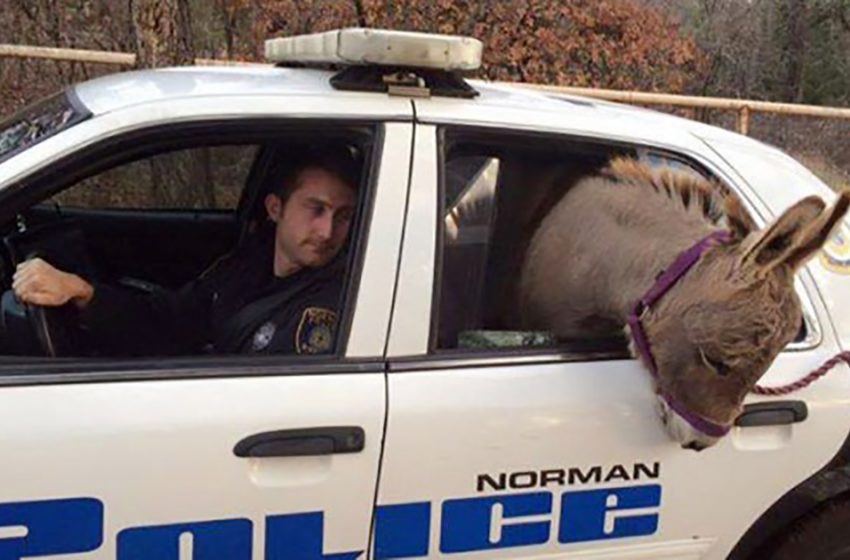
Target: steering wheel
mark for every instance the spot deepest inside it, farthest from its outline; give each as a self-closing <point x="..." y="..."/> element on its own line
<point x="49" y="325"/>
<point x="32" y="330"/>
<point x="50" y="331"/>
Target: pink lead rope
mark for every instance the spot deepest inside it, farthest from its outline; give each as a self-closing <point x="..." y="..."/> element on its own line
<point x="805" y="381"/>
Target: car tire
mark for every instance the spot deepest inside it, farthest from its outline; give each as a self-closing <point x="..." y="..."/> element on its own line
<point x="823" y="535"/>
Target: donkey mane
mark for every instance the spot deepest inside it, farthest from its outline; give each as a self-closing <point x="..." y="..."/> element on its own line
<point x="716" y="202"/>
<point x="640" y="217"/>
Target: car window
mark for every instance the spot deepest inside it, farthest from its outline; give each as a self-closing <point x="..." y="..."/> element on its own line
<point x="489" y="214"/>
<point x="37" y="122"/>
<point x="204" y="178"/>
<point x="496" y="190"/>
<point x="175" y="242"/>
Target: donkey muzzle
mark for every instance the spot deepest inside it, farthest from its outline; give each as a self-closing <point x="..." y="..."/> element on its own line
<point x="681" y="431"/>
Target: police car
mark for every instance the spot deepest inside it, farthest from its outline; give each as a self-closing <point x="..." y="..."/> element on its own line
<point x="413" y="438"/>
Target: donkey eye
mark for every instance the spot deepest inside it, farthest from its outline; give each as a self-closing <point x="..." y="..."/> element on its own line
<point x="719" y="367"/>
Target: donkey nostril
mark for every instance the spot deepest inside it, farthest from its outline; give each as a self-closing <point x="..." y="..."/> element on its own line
<point x="694" y="445"/>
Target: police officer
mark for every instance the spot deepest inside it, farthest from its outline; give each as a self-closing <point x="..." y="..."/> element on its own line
<point x="278" y="293"/>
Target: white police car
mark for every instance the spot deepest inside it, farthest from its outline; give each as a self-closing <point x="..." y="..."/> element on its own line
<point x="412" y="439"/>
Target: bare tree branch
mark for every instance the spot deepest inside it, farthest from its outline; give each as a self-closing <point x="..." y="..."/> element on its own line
<point x="361" y="13"/>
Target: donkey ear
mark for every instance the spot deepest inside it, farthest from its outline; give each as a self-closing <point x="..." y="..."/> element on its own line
<point x="816" y="234"/>
<point x="791" y="235"/>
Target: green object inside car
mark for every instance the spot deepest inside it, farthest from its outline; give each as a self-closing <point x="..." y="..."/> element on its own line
<point x="505" y="339"/>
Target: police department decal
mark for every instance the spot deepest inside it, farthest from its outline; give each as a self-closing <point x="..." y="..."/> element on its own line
<point x="263" y="336"/>
<point x="315" y="332"/>
<point x="543" y="508"/>
<point x="836" y="252"/>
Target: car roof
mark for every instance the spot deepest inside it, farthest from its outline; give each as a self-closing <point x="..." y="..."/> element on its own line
<point x="122" y="90"/>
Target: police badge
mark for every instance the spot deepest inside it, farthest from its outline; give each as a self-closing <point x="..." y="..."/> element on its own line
<point x="315" y="333"/>
<point x="836" y="252"/>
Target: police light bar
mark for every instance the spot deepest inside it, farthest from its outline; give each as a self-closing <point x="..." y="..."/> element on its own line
<point x="359" y="46"/>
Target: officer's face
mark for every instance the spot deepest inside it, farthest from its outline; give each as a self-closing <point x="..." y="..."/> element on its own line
<point x="313" y="224"/>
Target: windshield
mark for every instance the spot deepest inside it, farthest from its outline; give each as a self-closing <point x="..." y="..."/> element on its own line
<point x="37" y="122"/>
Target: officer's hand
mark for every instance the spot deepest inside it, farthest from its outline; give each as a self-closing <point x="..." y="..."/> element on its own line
<point x="38" y="282"/>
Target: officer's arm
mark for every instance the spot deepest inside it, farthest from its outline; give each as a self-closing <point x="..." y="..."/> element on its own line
<point x="120" y="321"/>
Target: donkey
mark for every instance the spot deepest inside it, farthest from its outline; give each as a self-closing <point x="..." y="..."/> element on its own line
<point x="722" y="319"/>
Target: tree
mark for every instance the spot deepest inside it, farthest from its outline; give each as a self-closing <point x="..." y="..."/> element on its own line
<point x="788" y="50"/>
<point x="794" y="15"/>
<point x="163" y="33"/>
<point x="603" y="43"/>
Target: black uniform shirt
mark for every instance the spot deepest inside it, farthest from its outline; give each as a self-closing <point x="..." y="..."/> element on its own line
<point x="237" y="306"/>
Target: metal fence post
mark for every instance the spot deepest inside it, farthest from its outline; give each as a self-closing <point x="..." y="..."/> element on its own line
<point x="744" y="120"/>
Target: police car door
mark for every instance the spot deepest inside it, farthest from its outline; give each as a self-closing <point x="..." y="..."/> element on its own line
<point x="230" y="458"/>
<point x="530" y="452"/>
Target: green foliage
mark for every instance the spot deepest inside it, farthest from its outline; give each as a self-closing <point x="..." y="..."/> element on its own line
<point x="827" y="75"/>
<point x="778" y="50"/>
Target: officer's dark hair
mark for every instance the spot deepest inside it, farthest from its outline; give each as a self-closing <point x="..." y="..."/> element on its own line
<point x="339" y="160"/>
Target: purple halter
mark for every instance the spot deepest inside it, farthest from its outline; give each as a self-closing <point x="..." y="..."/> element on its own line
<point x="683" y="263"/>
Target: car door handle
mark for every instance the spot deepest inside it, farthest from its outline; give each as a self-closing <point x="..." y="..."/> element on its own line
<point x="301" y="442"/>
<point x="772" y="414"/>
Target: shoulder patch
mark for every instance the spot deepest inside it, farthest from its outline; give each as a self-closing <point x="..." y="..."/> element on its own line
<point x="835" y="254"/>
<point x="316" y="330"/>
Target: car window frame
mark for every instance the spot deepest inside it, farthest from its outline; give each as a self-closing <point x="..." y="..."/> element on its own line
<point x="40" y="184"/>
<point x="456" y="357"/>
<point x="473" y="357"/>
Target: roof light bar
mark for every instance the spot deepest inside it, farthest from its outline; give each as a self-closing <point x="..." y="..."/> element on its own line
<point x="381" y="47"/>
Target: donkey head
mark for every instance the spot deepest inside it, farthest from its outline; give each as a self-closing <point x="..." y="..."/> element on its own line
<point x="718" y="330"/>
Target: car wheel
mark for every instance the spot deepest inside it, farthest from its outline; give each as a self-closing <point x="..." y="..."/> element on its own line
<point x="821" y="536"/>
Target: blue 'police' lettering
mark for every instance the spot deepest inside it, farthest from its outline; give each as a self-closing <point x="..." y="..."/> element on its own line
<point x="299" y="536"/>
<point x="466" y="523"/>
<point x="227" y="539"/>
<point x="51" y="527"/>
<point x="592" y="515"/>
<point x="402" y="531"/>
<point x="67" y="526"/>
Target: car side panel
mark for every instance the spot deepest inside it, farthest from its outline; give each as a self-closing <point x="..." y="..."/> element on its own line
<point x="142" y="458"/>
<point x="156" y="453"/>
<point x="519" y="439"/>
